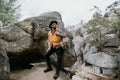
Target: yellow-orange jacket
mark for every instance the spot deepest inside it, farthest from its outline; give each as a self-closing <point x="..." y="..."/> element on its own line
<point x="54" y="39"/>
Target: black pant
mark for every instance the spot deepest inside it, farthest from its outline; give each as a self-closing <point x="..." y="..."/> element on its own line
<point x="59" y="52"/>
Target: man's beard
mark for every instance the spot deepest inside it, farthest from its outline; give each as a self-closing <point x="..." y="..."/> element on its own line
<point x="54" y="28"/>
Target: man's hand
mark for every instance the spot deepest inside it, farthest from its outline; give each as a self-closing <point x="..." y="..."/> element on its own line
<point x="62" y="35"/>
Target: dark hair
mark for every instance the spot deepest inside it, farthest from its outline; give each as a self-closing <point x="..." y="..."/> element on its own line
<point x="52" y="23"/>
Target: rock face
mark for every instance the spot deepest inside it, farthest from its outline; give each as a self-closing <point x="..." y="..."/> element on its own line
<point x="100" y="58"/>
<point x="4" y="63"/>
<point x="79" y="45"/>
<point x="1" y="24"/>
<point x="113" y="41"/>
<point x="26" y="41"/>
<point x="97" y="65"/>
<point x="102" y="62"/>
<point x="22" y="36"/>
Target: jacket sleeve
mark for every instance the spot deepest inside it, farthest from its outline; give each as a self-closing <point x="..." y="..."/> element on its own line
<point x="61" y="33"/>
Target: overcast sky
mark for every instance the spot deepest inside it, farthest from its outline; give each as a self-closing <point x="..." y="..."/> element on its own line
<point x="72" y="11"/>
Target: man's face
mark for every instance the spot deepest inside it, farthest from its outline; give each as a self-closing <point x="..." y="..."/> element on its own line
<point x="53" y="25"/>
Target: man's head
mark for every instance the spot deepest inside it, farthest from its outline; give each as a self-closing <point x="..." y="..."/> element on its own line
<point x="53" y="24"/>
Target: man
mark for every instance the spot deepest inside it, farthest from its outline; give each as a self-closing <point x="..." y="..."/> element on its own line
<point x="54" y="37"/>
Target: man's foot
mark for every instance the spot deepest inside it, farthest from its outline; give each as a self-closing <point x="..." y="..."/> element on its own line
<point x="48" y="69"/>
<point x="56" y="76"/>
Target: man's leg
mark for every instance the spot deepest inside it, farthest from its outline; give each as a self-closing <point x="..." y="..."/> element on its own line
<point x="59" y="53"/>
<point x="47" y="57"/>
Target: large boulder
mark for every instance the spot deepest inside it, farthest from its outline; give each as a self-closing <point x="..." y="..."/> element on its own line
<point x="4" y="63"/>
<point x="113" y="41"/>
<point x="101" y="59"/>
<point x="1" y="24"/>
<point x="86" y="73"/>
<point x="27" y="40"/>
<point x="79" y="44"/>
<point x="102" y="62"/>
<point x="96" y="64"/>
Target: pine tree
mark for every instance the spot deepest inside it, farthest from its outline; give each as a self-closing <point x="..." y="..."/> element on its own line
<point x="9" y="12"/>
<point x="98" y="26"/>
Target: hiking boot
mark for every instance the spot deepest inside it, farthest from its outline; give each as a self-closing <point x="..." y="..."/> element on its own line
<point x="56" y="76"/>
<point x="48" y="69"/>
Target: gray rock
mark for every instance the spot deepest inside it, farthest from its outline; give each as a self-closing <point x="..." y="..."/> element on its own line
<point x="4" y="63"/>
<point x="87" y="73"/>
<point x="1" y="24"/>
<point x="79" y="44"/>
<point x="101" y="59"/>
<point x="96" y="69"/>
<point x="113" y="41"/>
<point x="76" y="77"/>
<point x="110" y="72"/>
<point x="105" y="71"/>
<point x="15" y="38"/>
<point x="86" y="49"/>
<point x="63" y="76"/>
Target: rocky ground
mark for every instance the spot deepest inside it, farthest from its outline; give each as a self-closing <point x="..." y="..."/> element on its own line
<point x="35" y="73"/>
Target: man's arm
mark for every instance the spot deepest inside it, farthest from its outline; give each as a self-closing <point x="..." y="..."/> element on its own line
<point x="60" y="33"/>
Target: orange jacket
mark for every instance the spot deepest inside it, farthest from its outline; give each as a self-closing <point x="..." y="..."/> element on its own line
<point x="54" y="39"/>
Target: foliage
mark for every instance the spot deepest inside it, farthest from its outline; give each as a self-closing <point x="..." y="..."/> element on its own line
<point x="98" y="27"/>
<point x="9" y="12"/>
<point x="116" y="25"/>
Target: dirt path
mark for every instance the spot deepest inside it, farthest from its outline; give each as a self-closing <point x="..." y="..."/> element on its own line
<point x="36" y="73"/>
